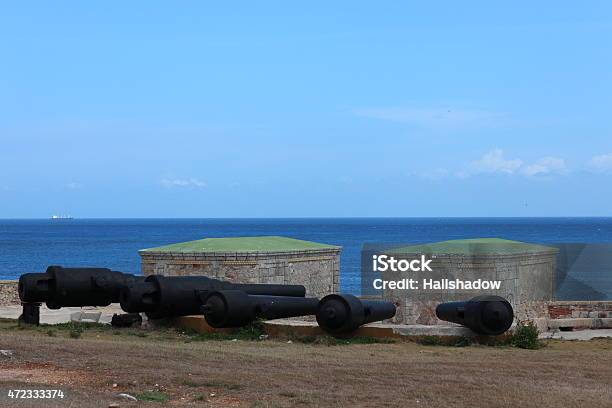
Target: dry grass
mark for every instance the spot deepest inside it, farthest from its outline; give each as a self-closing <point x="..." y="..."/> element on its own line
<point x="278" y="374"/>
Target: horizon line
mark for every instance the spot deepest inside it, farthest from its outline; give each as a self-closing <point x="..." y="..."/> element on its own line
<point x="303" y="217"/>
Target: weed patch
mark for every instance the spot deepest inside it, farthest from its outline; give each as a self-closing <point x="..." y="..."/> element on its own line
<point x="525" y="336"/>
<point x="154" y="396"/>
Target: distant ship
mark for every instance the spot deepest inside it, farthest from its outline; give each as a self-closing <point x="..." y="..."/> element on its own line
<point x="61" y="217"/>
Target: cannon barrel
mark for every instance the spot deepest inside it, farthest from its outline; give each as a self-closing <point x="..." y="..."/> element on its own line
<point x="63" y="287"/>
<point x="235" y="308"/>
<point x="340" y="315"/>
<point x="486" y="315"/>
<point x="166" y="296"/>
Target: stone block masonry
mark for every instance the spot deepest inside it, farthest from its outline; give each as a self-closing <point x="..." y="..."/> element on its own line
<point x="8" y="293"/>
<point x="251" y="260"/>
<point x="525" y="272"/>
<point x="578" y="309"/>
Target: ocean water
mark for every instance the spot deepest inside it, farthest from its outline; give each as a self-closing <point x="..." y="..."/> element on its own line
<point x="32" y="245"/>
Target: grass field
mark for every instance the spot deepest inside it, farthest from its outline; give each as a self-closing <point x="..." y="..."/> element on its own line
<point x="169" y="367"/>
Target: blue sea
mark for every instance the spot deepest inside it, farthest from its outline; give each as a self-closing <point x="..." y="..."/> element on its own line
<point x="32" y="245"/>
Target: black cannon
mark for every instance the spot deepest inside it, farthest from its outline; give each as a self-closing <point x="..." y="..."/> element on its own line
<point x="486" y="315"/>
<point x="62" y="287"/>
<point x="235" y="308"/>
<point x="167" y="296"/>
<point x="340" y="315"/>
<point x="126" y="320"/>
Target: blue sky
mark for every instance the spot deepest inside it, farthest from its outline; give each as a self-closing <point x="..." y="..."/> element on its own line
<point x="165" y="109"/>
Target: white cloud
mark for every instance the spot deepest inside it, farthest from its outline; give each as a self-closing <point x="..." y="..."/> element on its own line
<point x="435" y="117"/>
<point x="545" y="166"/>
<point x="601" y="163"/>
<point x="494" y="162"/>
<point x="190" y="182"/>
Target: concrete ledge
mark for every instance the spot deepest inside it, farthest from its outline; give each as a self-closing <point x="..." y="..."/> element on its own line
<point x="283" y="327"/>
<point x="580" y="323"/>
<point x="197" y="323"/>
<point x="55" y="316"/>
<point x="586" y="334"/>
<point x="301" y="328"/>
<point x="437" y="330"/>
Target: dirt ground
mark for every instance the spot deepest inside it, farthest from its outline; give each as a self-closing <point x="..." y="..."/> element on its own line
<point x="167" y="367"/>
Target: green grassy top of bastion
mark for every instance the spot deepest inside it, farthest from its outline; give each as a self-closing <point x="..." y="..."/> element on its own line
<point x="243" y="244"/>
<point x="475" y="246"/>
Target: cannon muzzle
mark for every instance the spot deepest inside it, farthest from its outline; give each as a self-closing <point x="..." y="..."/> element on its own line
<point x="235" y="308"/>
<point x="486" y="315"/>
<point x="340" y="314"/>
